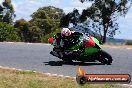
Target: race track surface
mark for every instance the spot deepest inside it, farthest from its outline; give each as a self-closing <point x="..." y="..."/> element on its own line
<point x="36" y="57"/>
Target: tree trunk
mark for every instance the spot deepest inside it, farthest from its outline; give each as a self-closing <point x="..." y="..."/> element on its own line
<point x="104" y="37"/>
<point x="105" y="32"/>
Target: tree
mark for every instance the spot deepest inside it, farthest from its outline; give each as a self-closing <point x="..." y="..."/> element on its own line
<point x="44" y="21"/>
<point x="7" y="13"/>
<point x="28" y="32"/>
<point x="1" y="13"/>
<point x="47" y="19"/>
<point x="35" y="34"/>
<point x="102" y="16"/>
<point x="23" y="25"/>
<point x="8" y="33"/>
<point x="72" y="17"/>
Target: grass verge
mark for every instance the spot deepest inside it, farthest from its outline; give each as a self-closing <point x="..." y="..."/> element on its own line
<point x="10" y="78"/>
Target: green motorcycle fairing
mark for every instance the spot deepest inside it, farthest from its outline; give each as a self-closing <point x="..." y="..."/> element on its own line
<point x="89" y="50"/>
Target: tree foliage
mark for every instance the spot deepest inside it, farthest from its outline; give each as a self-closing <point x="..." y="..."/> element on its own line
<point x="7" y="12"/>
<point x="47" y="18"/>
<point x="102" y="16"/>
<point x="44" y="21"/>
<point x="72" y="17"/>
<point x="8" y="32"/>
<point x="23" y="25"/>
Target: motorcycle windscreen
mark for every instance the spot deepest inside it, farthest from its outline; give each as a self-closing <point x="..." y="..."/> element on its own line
<point x="96" y="41"/>
<point x="89" y="42"/>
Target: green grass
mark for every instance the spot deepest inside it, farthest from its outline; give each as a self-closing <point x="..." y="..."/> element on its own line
<point x="29" y="79"/>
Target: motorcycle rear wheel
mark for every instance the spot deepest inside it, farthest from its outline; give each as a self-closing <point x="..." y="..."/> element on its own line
<point x="105" y="58"/>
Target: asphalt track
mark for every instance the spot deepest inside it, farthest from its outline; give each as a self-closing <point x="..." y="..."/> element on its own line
<point x="36" y="57"/>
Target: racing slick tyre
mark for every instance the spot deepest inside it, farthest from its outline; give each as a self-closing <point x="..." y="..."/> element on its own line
<point x="105" y="58"/>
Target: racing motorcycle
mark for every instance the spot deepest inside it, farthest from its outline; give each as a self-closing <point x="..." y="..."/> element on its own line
<point x="82" y="48"/>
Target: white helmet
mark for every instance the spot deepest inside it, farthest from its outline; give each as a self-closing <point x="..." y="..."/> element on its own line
<point x="65" y="32"/>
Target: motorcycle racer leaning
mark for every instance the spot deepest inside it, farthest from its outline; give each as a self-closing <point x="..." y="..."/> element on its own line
<point x="66" y="39"/>
<point x="69" y="46"/>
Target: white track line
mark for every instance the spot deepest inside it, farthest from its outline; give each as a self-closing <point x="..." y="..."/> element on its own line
<point x="128" y="48"/>
<point x="117" y="48"/>
<point x="24" y="43"/>
<point x="49" y="44"/>
<point x="127" y="85"/>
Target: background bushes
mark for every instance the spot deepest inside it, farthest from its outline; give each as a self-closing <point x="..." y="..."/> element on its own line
<point x="9" y="33"/>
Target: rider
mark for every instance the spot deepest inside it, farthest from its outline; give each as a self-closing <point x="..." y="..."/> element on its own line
<point x="69" y="38"/>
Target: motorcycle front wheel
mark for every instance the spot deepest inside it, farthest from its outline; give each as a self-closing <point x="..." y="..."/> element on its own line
<point x="105" y="57"/>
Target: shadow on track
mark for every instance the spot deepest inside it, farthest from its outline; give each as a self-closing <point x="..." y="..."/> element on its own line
<point x="60" y="63"/>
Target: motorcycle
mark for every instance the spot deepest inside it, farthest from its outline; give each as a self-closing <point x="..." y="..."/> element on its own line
<point x="85" y="49"/>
